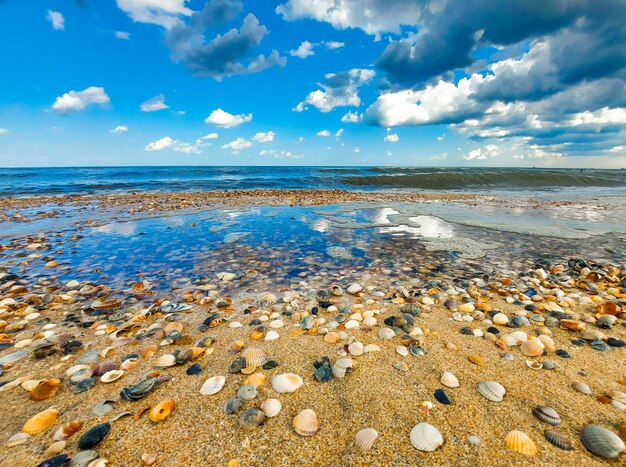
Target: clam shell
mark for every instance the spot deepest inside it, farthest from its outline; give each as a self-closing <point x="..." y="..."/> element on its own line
<point x="271" y="407"/>
<point x="547" y="414"/>
<point x="601" y="442"/>
<point x="162" y="410"/>
<point x="520" y="442"/>
<point x="534" y="365"/>
<point x="519" y="336"/>
<point x="305" y="423"/>
<point x="365" y="438"/>
<point x="286" y="382"/>
<point x="491" y="390"/>
<point x="103" y="367"/>
<point x="39" y="422"/>
<point x="425" y="437"/>
<point x="129" y="364"/>
<point x="341" y="366"/>
<point x="532" y="347"/>
<point x="558" y="439"/>
<point x="581" y="387"/>
<point x="111" y="376"/>
<point x="618" y="396"/>
<point x="255" y="380"/>
<point x="93" y="436"/>
<point x="548" y="343"/>
<point x="67" y="429"/>
<point x="212" y="385"/>
<point x="254" y="357"/>
<point x="449" y="380"/>
<point x="45" y="389"/>
<point x="232" y="406"/>
<point x="165" y="361"/>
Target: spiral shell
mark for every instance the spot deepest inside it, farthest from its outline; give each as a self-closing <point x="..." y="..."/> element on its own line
<point x="491" y="390"/>
<point x="558" y="439"/>
<point x="286" y="382"/>
<point x="532" y="347"/>
<point x="601" y="442"/>
<point x="365" y="438"/>
<point x="306" y="423"/>
<point x="162" y="410"/>
<point x="520" y="442"/>
<point x="425" y="437"/>
<point x="547" y="414"/>
<point x="39" y="422"/>
<point x="254" y="357"/>
<point x="271" y="407"/>
<point x="111" y="376"/>
<point x="67" y="429"/>
<point x="449" y="380"/>
<point x="212" y="385"/>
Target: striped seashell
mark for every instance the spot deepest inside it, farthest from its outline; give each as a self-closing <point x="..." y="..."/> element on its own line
<point x="365" y="438"/>
<point x="547" y="414"/>
<point x="558" y="439"/>
<point x="286" y="382"/>
<point x="254" y="357"/>
<point x="601" y="442"/>
<point x="255" y="380"/>
<point x="617" y="396"/>
<point x="476" y="360"/>
<point x="212" y="385"/>
<point x="425" y="437"/>
<point x="520" y="442"/>
<point x="449" y="380"/>
<point x="509" y="340"/>
<point x="532" y="347"/>
<point x="306" y="423"/>
<point x="548" y="343"/>
<point x="581" y="387"/>
<point x="341" y="366"/>
<point x="519" y="336"/>
<point x="491" y="390"/>
<point x="271" y="407"/>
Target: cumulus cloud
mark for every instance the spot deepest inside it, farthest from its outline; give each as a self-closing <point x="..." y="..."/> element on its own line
<point x="280" y="154"/>
<point x="338" y="90"/>
<point x="122" y="35"/>
<point x="303" y="51"/>
<point x="78" y="100"/>
<point x="391" y="138"/>
<point x="324" y="133"/>
<point x="491" y="150"/>
<point x="334" y="44"/>
<point x="237" y="145"/>
<point x="178" y="146"/>
<point x="119" y="129"/>
<point x="223" y="119"/>
<point x="166" y="13"/>
<point x="154" y="104"/>
<point x="160" y="144"/>
<point x="352" y="117"/>
<point x="261" y="137"/>
<point x="56" y="19"/>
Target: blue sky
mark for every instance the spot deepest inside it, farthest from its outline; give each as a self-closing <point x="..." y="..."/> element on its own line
<point x="312" y="82"/>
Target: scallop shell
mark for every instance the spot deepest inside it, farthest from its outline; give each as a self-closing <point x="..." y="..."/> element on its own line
<point x="425" y="437"/>
<point x="558" y="439"/>
<point x="547" y="414"/>
<point x="581" y="387"/>
<point x="271" y="407"/>
<point x="305" y="423"/>
<point x="45" y="389"/>
<point x="491" y="390"/>
<point x="67" y="429"/>
<point x="162" y="410"/>
<point x="532" y="347"/>
<point x="548" y="343"/>
<point x="520" y="442"/>
<point x="254" y="357"/>
<point x="111" y="376"/>
<point x="341" y="366"/>
<point x="286" y="382"/>
<point x="365" y="438"/>
<point x="449" y="380"/>
<point x="212" y="385"/>
<point x="601" y="442"/>
<point x="519" y="336"/>
<point x="255" y="380"/>
<point x="165" y="361"/>
<point x="39" y="422"/>
<point x="509" y="340"/>
<point x="476" y="360"/>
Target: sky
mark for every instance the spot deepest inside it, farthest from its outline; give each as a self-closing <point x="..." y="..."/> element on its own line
<point x="313" y="82"/>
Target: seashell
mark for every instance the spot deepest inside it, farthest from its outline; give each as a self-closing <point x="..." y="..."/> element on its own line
<point x="532" y="347"/>
<point x="286" y="382"/>
<point x="271" y="336"/>
<point x="331" y="337"/>
<point x="39" y="422"/>
<point x="252" y="418"/>
<point x="476" y="360"/>
<point x="601" y="442"/>
<point x="254" y="357"/>
<point x="162" y="410"/>
<point x="246" y="392"/>
<point x="45" y="389"/>
<point x="84" y="458"/>
<point x="67" y="429"/>
<point x="212" y="385"/>
<point x="17" y="439"/>
<point x="341" y="367"/>
<point x="519" y="336"/>
<point x="509" y="340"/>
<point x="102" y="407"/>
<point x="402" y="350"/>
<point x="194" y="369"/>
<point x="120" y="415"/>
<point x="57" y="460"/>
<point x="93" y="436"/>
<point x="129" y="364"/>
<point x="442" y="397"/>
<point x="425" y="437"/>
<point x="365" y="438"/>
<point x="473" y="440"/>
<point x="607" y="308"/>
<point x="520" y="442"/>
<point x="306" y="423"/>
<point x="103" y="367"/>
<point x="165" y="361"/>
<point x="255" y="380"/>
<point x="248" y="370"/>
<point x="271" y="407"/>
<point x="618" y="396"/>
<point x="55" y="448"/>
<point x="355" y="349"/>
<point x="111" y="376"/>
<point x="548" y="343"/>
<point x="449" y="380"/>
<point x="558" y="439"/>
<point x="581" y="387"/>
<point x="500" y="319"/>
<point x="547" y="414"/>
<point x="149" y="458"/>
<point x="533" y="364"/>
<point x="232" y="406"/>
<point x="149" y="351"/>
<point x="76" y="368"/>
<point x="573" y="325"/>
<point x="386" y="333"/>
<point x="491" y="390"/>
<point x="371" y="348"/>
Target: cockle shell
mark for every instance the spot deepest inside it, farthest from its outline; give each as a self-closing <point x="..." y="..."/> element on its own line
<point x="491" y="390"/>
<point x="212" y="385"/>
<point x="601" y="442"/>
<point x="533" y="364"/>
<point x="425" y="437"/>
<point x="162" y="410"/>
<point x="67" y="429"/>
<point x="255" y="380"/>
<point x="365" y="438"/>
<point x="45" y="389"/>
<point x="532" y="347"/>
<point x="547" y="414"/>
<point x="286" y="382"/>
<point x="509" y="340"/>
<point x="558" y="439"/>
<point x="476" y="360"/>
<point x="548" y="343"/>
<point x="449" y="380"/>
<point x="254" y="357"/>
<point x="519" y="336"/>
<point x="165" y="361"/>
<point x="581" y="387"/>
<point x="111" y="376"/>
<point x="573" y="325"/>
<point x="501" y="319"/>
<point x="39" y="422"/>
<point x="341" y="366"/>
<point x="306" y="423"/>
<point x="520" y="442"/>
<point x="271" y="407"/>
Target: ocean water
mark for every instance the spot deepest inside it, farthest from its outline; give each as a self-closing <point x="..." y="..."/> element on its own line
<point x="100" y="180"/>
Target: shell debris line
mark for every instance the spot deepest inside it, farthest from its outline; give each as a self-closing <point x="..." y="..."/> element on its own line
<point x="406" y="355"/>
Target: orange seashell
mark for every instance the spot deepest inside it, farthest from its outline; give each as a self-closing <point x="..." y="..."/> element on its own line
<point x="573" y="325"/>
<point x="305" y="423"/>
<point x="45" y="389"/>
<point x="67" y="429"/>
<point x="249" y="370"/>
<point x="197" y="351"/>
<point x="255" y="379"/>
<point x="256" y="335"/>
<point x="148" y="351"/>
<point x="39" y="422"/>
<point x="532" y="347"/>
<point x="622" y="430"/>
<point x="174" y="326"/>
<point x="140" y="412"/>
<point x="604" y="399"/>
<point x="607" y="308"/>
<point x="162" y="410"/>
<point x="236" y="346"/>
<point x="520" y="442"/>
<point x="476" y="360"/>
<point x="331" y="337"/>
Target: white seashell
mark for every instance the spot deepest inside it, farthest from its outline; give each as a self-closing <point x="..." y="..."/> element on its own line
<point x="520" y="336"/>
<point x="370" y="321"/>
<point x="111" y="376"/>
<point x="305" y="423"/>
<point x="402" y="350"/>
<point x="581" y="387"/>
<point x="235" y="325"/>
<point x="340" y="367"/>
<point x="271" y="407"/>
<point x="491" y="390"/>
<point x="286" y="382"/>
<point x="23" y="343"/>
<point x="601" y="442"/>
<point x="165" y="361"/>
<point x="271" y="336"/>
<point x="276" y="324"/>
<point x="371" y="348"/>
<point x="426" y="300"/>
<point x="212" y="385"/>
<point x="501" y="319"/>
<point x="356" y="317"/>
<point x="352" y="324"/>
<point x="478" y="332"/>
<point x="17" y="439"/>
<point x="449" y="380"/>
<point x="73" y="369"/>
<point x="365" y="438"/>
<point x="386" y="333"/>
<point x="425" y="437"/>
<point x="354" y="289"/>
<point x="356" y="349"/>
<point x="548" y="342"/>
<point x="509" y="340"/>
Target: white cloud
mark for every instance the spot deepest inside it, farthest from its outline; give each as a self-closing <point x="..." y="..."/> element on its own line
<point x="261" y="137"/>
<point x="339" y="90"/>
<point x="392" y="138"/>
<point x="237" y="145"/>
<point x="209" y="136"/>
<point x="178" y="146"/>
<point x="165" y="13"/>
<point x="154" y="104"/>
<point x="301" y="139"/>
<point x="122" y="35"/>
<point x="324" y="133"/>
<point x="339" y="133"/>
<point x="78" y="100"/>
<point x="299" y="108"/>
<point x="4" y="131"/>
<point x="334" y="44"/>
<point x="282" y="154"/>
<point x="119" y="129"/>
<point x="57" y="20"/>
<point x="491" y="150"/>
<point x="441" y="137"/>
<point x="352" y="117"/>
<point x="303" y="51"/>
<point x="224" y="119"/>
<point x="356" y="150"/>
<point x="160" y="144"/>
<point x="614" y="149"/>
